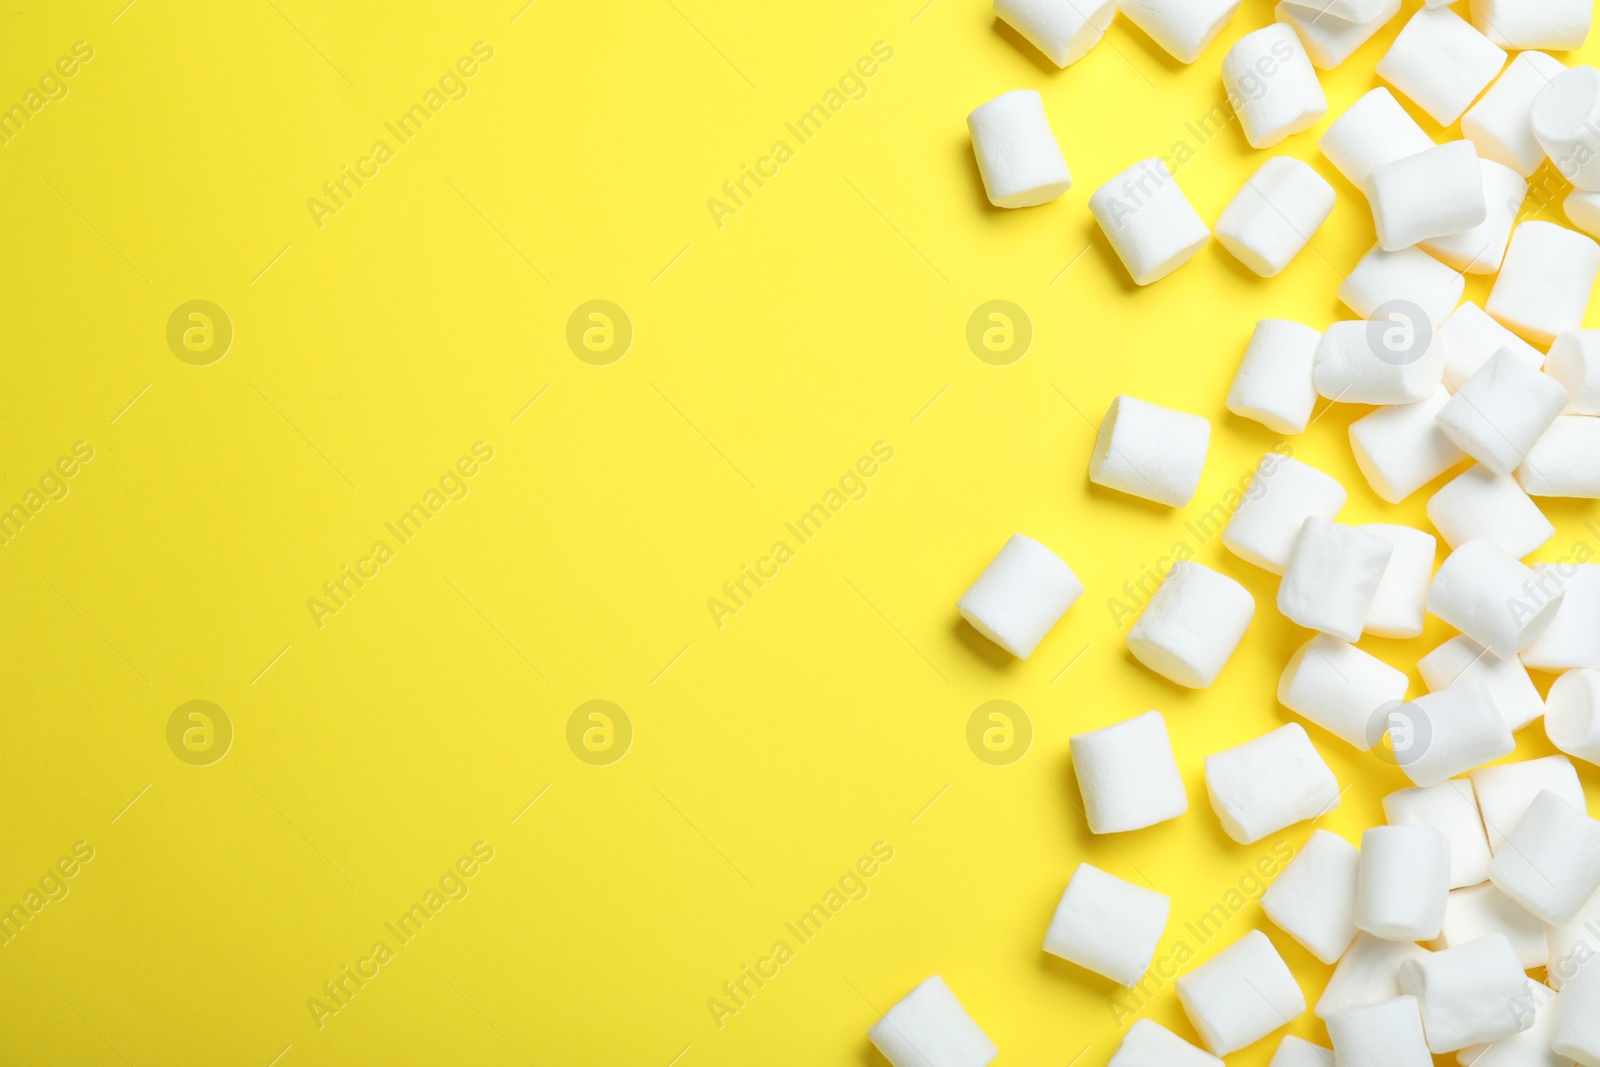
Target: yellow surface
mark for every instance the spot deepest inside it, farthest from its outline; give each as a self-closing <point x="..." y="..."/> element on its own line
<point x="376" y="345"/>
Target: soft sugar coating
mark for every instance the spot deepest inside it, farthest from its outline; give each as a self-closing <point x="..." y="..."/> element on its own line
<point x="1107" y="925"/>
<point x="1408" y="275"/>
<point x="1572" y="640"/>
<point x="1544" y="284"/>
<point x="1128" y="775"/>
<point x="1469" y="995"/>
<point x="1551" y="862"/>
<point x="1481" y="249"/>
<point x="1367" y="974"/>
<point x="1272" y="85"/>
<point x="1148" y="220"/>
<point x="1448" y="732"/>
<point x="1562" y="462"/>
<point x="1488" y="595"/>
<point x="1150" y="451"/>
<point x="1275" y="214"/>
<point x="1452" y="809"/>
<point x="1399" y="603"/>
<point x="1268" y="783"/>
<point x="1574" y="361"/>
<point x="930" y="1028"/>
<point x="1183" y="27"/>
<point x="1018" y="157"/>
<point x="1401" y="448"/>
<point x="1500" y="123"/>
<point x="1507" y="790"/>
<point x="1471" y="336"/>
<point x="1530" y="1047"/>
<point x="1020" y="595"/>
<point x="1398" y="360"/>
<point x="1480" y="503"/>
<point x="1572" y="716"/>
<point x="1064" y="30"/>
<point x="1577" y="1028"/>
<point x="1314" y="899"/>
<point x="1441" y="63"/>
<point x="1340" y="688"/>
<point x="1385" y="1034"/>
<point x="1481" y="910"/>
<point x="1501" y="412"/>
<point x="1330" y="40"/>
<point x="1506" y="681"/>
<point x="1403" y="883"/>
<point x="1566" y="121"/>
<point x="1149" y="1044"/>
<point x="1372" y="131"/>
<point x="1193" y="624"/>
<point x="1434" y="193"/>
<point x="1298" y="1052"/>
<point x="1279" y="500"/>
<point x="1332" y="576"/>
<point x="1274" y="384"/>
<point x="1241" y="994"/>
<point x="1518" y="24"/>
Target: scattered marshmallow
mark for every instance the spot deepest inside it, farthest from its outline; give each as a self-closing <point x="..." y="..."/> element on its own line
<point x="1331" y="578"/>
<point x="1551" y="862"/>
<point x="1183" y="27"/>
<point x="1501" y="412"/>
<point x="1276" y="213"/>
<point x="1506" y="791"/>
<point x="1482" y="910"/>
<point x="1272" y="85"/>
<point x="1577" y="1029"/>
<point x="1330" y="40"/>
<point x="1441" y="63"/>
<point x="1434" y="193"/>
<point x="1274" y="385"/>
<point x="930" y="1028"/>
<point x="1399" y="604"/>
<point x="1395" y="360"/>
<point x="1452" y="809"/>
<point x="1510" y="689"/>
<point x="1408" y="275"/>
<point x="1448" y="732"/>
<point x="1373" y="131"/>
<point x="1468" y="994"/>
<point x="1150" y="451"/>
<point x="1471" y="336"/>
<point x="1128" y="775"/>
<point x="1149" y="1044"/>
<point x="1109" y="926"/>
<point x="1314" y="899"/>
<point x="1064" y="30"/>
<point x="1572" y="718"/>
<point x="1298" y="1052"/>
<point x="1480" y="503"/>
<point x="1544" y="284"/>
<point x="1491" y="597"/>
<point x="1020" y="595"/>
<point x="1583" y="211"/>
<point x="1147" y="219"/>
<point x="1402" y="883"/>
<point x="1401" y="448"/>
<point x="1520" y="24"/>
<point x="1500" y="123"/>
<point x="1572" y="641"/>
<point x="1385" y="1034"/>
<point x="1528" y="1048"/>
<point x="1340" y="688"/>
<point x="1565" y="461"/>
<point x="1482" y="249"/>
<point x="1267" y="523"/>
<point x="1266" y="784"/>
<point x="1566" y="120"/>
<point x="1193" y="623"/>
<point x="1241" y="994"/>
<point x="1018" y="156"/>
<point x="1575" y="362"/>
<point x="1367" y="974"/>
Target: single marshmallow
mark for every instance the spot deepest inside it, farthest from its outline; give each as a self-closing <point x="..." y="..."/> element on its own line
<point x="1064" y="30"/>
<point x="1480" y="503"/>
<point x="1128" y="776"/>
<point x="1400" y="602"/>
<point x="1372" y="131"/>
<point x="1520" y="24"/>
<point x="1573" y="944"/>
<point x="1150" y="451"/>
<point x="1403" y="882"/>
<point x="1272" y="85"/>
<point x="1276" y="213"/>
<point x="1298" y="1052"/>
<point x="1149" y="1044"/>
<point x="1577" y="1030"/>
<point x="1396" y="359"/>
<point x="1434" y="193"/>
<point x="1506" y="681"/>
<point x="1501" y="412"/>
<point x="1401" y="448"/>
<point x="1441" y="63"/>
<point x="1443" y="734"/>
<point x="1452" y="809"/>
<point x="1266" y="784"/>
<point x="1506" y="791"/>
<point x="1530" y="1047"/>
<point x="1148" y="220"/>
<point x="1488" y="595"/>
<point x="1020" y="595"/>
<point x="1482" y="249"/>
<point x="1500" y="123"/>
<point x="1281" y="497"/>
<point x="1572" y="641"/>
<point x="1193" y="623"/>
<point x="1572" y="721"/>
<point x="1274" y="385"/>
<point x="1340" y="688"/>
<point x="1018" y="156"/>
<point x="1566" y="120"/>
<point x="1183" y="27"/>
<point x="1240" y="995"/>
<point x="1385" y="1034"/>
<point x="1565" y="461"/>
<point x="1482" y="910"/>
<point x="1551" y="862"/>
<point x="1409" y="275"/>
<point x="1330" y="40"/>
<point x="1471" y="337"/>
<point x="1367" y="974"/>
<point x="1109" y="926"/>
<point x="1314" y="899"/>
<point x="1575" y="363"/>
<point x="1468" y="993"/>
<point x="930" y="1028"/>
<point x="1544" y="284"/>
<point x="1332" y="577"/>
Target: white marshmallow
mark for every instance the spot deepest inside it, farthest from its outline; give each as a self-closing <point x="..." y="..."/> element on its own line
<point x="1491" y="597"/>
<point x="1149" y="1044"/>
<point x="1434" y="193"/>
<point x="1276" y="505"/>
<point x="1441" y="63"/>
<point x="1482" y="910"/>
<point x="1551" y="862"/>
<point x="1506" y="791"/>
<point x="1349" y="10"/>
<point x="1583" y="211"/>
<point x="1510" y="690"/>
<point x="1501" y="411"/>
<point x="1275" y="214"/>
<point x="1480" y="503"/>
<point x="1410" y="275"/>
<point x="1385" y="1034"/>
<point x="1332" y="576"/>
<point x="1331" y="40"/>
<point x="1367" y="974"/>
<point x="1566" y="121"/>
<point x="1240" y="995"/>
<point x="1400" y="602"/>
<point x="1575" y="363"/>
<point x="1500" y="123"/>
<point x="1109" y="926"/>
<point x="1520" y="24"/>
<point x="1128" y="776"/>
<point x="1452" y="809"/>
<point x="1443" y="734"/>
<point x="1064" y="30"/>
<point x="1467" y="993"/>
<point x="1268" y="783"/>
<point x="1565" y="461"/>
<point x="1530" y="1047"/>
<point x="1572" y="641"/>
<point x="1544" y="284"/>
<point x="1018" y="156"/>
<point x="1401" y="448"/>
<point x="1340" y="688"/>
<point x="1572" y="721"/>
<point x="1372" y="131"/>
<point x="1272" y="85"/>
<point x="1402" y="883"/>
<point x="1020" y="595"/>
<point x="1183" y="27"/>
<point x="1398" y="359"/>
<point x="1274" y="384"/>
<point x="1148" y="220"/>
<point x="1314" y="899"/>
<point x="1577" y="1030"/>
<point x="1192" y="625"/>
<point x="1150" y="451"/>
<point x="1471" y="337"/>
<point x="1481" y="249"/>
<point x="1298" y="1052"/>
<point x="930" y="1028"/>
<point x="1574" y="944"/>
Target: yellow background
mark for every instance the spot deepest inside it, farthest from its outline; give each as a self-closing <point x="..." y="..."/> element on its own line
<point x="769" y="353"/>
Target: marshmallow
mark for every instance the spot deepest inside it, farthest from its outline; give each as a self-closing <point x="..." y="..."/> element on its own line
<point x="1481" y="249"/>
<point x="1441" y="63"/>
<point x="1402" y="883"/>
<point x="1279" y="501"/>
<point x="1020" y="595"/>
<point x="1340" y="688"/>
<point x="1482" y="910"/>
<point x="1408" y="274"/>
<point x="1572" y="641"/>
<point x="1551" y="862"/>
<point x="1240" y="995"/>
<point x="1575" y="363"/>
<point x="1298" y="1052"/>
<point x="1330" y="40"/>
<point x="1398" y="359"/>
<point x="1565" y="461"/>
<point x="1480" y="503"/>
<point x="1276" y="213"/>
<point x="1530" y="1047"/>
<point x="1192" y="625"/>
<point x="1018" y="156"/>
<point x="1577" y="1030"/>
<point x="1183" y="27"/>
<point x="930" y="1028"/>
<point x="1149" y="1044"/>
<point x="1505" y="792"/>
<point x="1367" y="974"/>
<point x="1583" y="211"/>
<point x="1544" y="284"/>
<point x="1385" y="1034"/>
<point x="1468" y="993"/>
<point x="1109" y="926"/>
<point x="1064" y="30"/>
<point x="1501" y="411"/>
<point x="1314" y="899"/>
<point x="1491" y="597"/>
<point x="1266" y="784"/>
<point x="1520" y="24"/>
<point x="1572" y="721"/>
<point x="1448" y="732"/>
<point x="1150" y="451"/>
<point x="1434" y="193"/>
<point x="1274" y="385"/>
<point x="1573" y="944"/>
<point x="1399" y="604"/>
<point x="1471" y="337"/>
<point x="1272" y="85"/>
<point x="1500" y="124"/>
<point x="1510" y="690"/>
<point x="1148" y="220"/>
<point x="1350" y="10"/>
<point x="1566" y="121"/>
<point x="1128" y="776"/>
<point x="1373" y="131"/>
<point x="1332" y="576"/>
<point x="1452" y="809"/>
<point x="1401" y="448"/>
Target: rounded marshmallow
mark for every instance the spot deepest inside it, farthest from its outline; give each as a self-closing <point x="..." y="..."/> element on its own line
<point x="1566" y="121"/>
<point x="1469" y="995"/>
<point x="1471" y="337"/>
<point x="1401" y="448"/>
<point x="1410" y="275"/>
<point x="1577" y="1030"/>
<point x="1452" y="809"/>
<point x="930" y="1028"/>
<point x="1275" y="214"/>
<point x="1434" y="193"/>
<point x="1340" y="688"/>
<point x="1020" y="595"/>
<point x="1441" y="63"/>
<point x="1314" y="899"/>
<point x="1572" y="718"/>
<point x="1367" y="974"/>
<point x="1403" y="882"/>
<point x="1298" y="1052"/>
<point x="1148" y="220"/>
<point x="1575" y="362"/>
<point x="1330" y="40"/>
<point x="1565" y="461"/>
<point x="1149" y="1044"/>
<point x="1064" y="30"/>
<point x="1572" y="640"/>
<point x="1544" y="284"/>
<point x="1193" y="623"/>
<point x="1519" y="24"/>
<point x="1150" y="451"/>
<point x="1018" y="157"/>
<point x="1373" y="131"/>
<point x="1128" y="776"/>
<point x="1385" y="1034"/>
<point x="1266" y="784"/>
<point x="1500" y="123"/>
<point x="1501" y="412"/>
<point x="1272" y="85"/>
<point x="1274" y="384"/>
<point x="1107" y="925"/>
<point x="1510" y="689"/>
<point x="1482" y="911"/>
<point x="1241" y="994"/>
<point x="1481" y="249"/>
<point x="1506" y="791"/>
<point x="1551" y="862"/>
<point x="1397" y="359"/>
<point x="1332" y="577"/>
<point x="1448" y="732"/>
<point x="1530" y="1047"/>
<point x="1480" y="503"/>
<point x="1183" y="27"/>
<point x="1400" y="602"/>
<point x="1488" y="595"/>
<point x="1282" y="495"/>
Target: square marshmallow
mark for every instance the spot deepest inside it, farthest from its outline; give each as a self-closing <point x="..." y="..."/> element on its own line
<point x="1480" y="503"/>
<point x="1544" y="285"/>
<point x="1471" y="337"/>
<point x="1241" y="994"/>
<point x="1501" y="412"/>
<point x="1271" y="782"/>
<point x="1018" y="157"/>
<point x="1275" y="214"/>
<point x="1107" y="925"/>
<point x="1274" y="384"/>
<point x="1470" y="994"/>
<point x="1020" y="595"/>
<point x="1150" y="451"/>
<point x="1452" y="809"/>
<point x="1332" y="577"/>
<point x="930" y="1028"/>
<point x="1401" y="448"/>
<point x="1385" y="1034"/>
<point x="1272" y="86"/>
<point x="1441" y="63"/>
<point x="1192" y="625"/>
<point x="1435" y="193"/>
<point x="1128" y="776"/>
<point x="1403" y="882"/>
<point x="1149" y="222"/>
<point x="1331" y="40"/>
<point x="1499" y="123"/>
<point x="1506" y="681"/>
<point x="1314" y="899"/>
<point x="1400" y="602"/>
<point x="1282" y="495"/>
<point x="1506" y="791"/>
<point x="1340" y="688"/>
<point x="1572" y="641"/>
<point x="1373" y="131"/>
<point x="1551" y="862"/>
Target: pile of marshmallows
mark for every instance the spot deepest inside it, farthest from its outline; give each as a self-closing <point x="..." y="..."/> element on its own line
<point x="1498" y="871"/>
